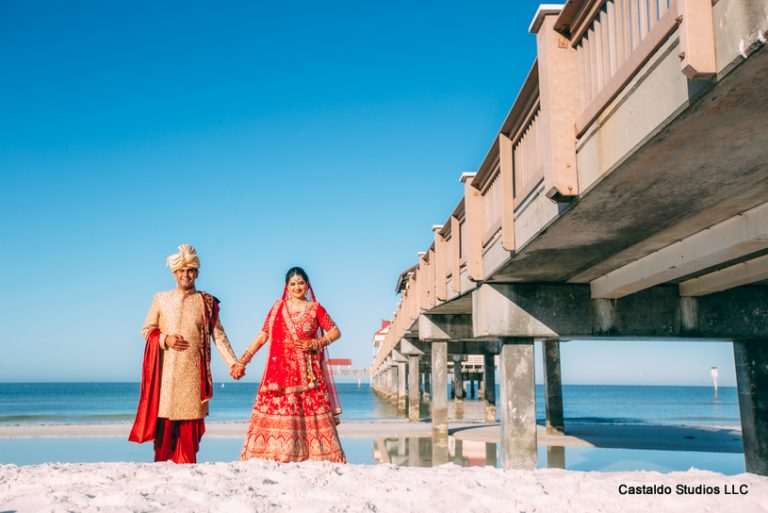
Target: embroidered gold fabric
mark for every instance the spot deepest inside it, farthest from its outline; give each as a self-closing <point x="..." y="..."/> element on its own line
<point x="181" y="312"/>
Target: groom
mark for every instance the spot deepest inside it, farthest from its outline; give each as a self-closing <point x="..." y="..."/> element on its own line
<point x="176" y="377"/>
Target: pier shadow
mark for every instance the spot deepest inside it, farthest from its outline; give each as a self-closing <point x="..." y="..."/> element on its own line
<point x="652" y="437"/>
<point x="621" y="436"/>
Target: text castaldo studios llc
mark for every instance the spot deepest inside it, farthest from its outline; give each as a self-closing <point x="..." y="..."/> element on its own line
<point x="684" y="489"/>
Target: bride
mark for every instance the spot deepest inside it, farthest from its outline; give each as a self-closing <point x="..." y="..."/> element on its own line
<point x="296" y="410"/>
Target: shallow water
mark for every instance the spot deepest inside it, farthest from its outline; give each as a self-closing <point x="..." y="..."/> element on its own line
<point x="418" y="452"/>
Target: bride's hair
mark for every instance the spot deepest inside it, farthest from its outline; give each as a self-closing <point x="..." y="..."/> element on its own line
<point x="296" y="271"/>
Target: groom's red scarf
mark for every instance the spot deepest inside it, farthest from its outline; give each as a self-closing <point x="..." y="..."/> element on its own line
<point x="149" y="398"/>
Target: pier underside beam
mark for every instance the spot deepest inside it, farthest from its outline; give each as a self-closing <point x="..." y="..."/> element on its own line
<point x="561" y="311"/>
<point x="734" y="238"/>
<point x="751" y="359"/>
<point x="445" y="327"/>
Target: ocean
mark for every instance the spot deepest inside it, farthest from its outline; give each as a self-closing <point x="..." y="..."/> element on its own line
<point x="89" y="403"/>
<point x="49" y="403"/>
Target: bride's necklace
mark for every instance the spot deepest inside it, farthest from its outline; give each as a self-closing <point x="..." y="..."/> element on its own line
<point x="297" y="305"/>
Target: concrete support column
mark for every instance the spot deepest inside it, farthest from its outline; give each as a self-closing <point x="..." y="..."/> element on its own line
<point x="489" y="385"/>
<point x="440" y="389"/>
<point x="392" y="383"/>
<point x="518" y="404"/>
<point x="751" y="359"/>
<point x="401" y="388"/>
<point x="427" y="386"/>
<point x="413" y="388"/>
<point x="458" y="387"/>
<point x="383" y="382"/>
<point x="553" y="387"/>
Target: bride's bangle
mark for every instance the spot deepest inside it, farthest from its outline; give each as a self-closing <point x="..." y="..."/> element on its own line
<point x="246" y="358"/>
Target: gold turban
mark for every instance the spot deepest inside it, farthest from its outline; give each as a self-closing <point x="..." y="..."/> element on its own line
<point x="185" y="258"/>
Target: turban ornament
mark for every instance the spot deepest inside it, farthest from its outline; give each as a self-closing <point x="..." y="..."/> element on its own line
<point x="185" y="258"/>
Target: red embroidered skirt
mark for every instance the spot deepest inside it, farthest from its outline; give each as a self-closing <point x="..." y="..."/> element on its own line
<point x="294" y="426"/>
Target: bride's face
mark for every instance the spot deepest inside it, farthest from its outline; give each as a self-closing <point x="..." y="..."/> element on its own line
<point x="297" y="287"/>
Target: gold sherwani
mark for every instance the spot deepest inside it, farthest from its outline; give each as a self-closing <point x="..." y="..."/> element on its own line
<point x="178" y="312"/>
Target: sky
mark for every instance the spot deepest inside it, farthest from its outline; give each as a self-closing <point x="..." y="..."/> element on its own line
<point x="329" y="135"/>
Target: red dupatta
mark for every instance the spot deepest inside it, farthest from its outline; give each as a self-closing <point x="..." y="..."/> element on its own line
<point x="149" y="398"/>
<point x="288" y="369"/>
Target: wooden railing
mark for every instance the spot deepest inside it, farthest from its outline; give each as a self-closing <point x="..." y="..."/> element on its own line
<point x="448" y="255"/>
<point x="527" y="156"/>
<point x="492" y="206"/>
<point x="614" y="39"/>
<point x="586" y="55"/>
<point x="463" y="242"/>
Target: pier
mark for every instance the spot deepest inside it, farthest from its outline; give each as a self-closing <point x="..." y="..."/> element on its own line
<point x="625" y="196"/>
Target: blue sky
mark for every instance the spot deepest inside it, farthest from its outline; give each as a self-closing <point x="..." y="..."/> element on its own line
<point x="329" y="135"/>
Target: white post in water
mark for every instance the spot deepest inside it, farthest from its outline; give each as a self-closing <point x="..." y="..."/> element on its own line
<point x="713" y="372"/>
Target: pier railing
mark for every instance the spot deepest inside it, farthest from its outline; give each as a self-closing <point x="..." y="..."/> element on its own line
<point x="588" y="52"/>
<point x="523" y="161"/>
<point x="615" y="38"/>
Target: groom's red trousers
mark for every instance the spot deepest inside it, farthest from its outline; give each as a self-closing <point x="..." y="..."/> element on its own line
<point x="178" y="440"/>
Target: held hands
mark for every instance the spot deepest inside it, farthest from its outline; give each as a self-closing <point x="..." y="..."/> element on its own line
<point x="176" y="342"/>
<point x="237" y="371"/>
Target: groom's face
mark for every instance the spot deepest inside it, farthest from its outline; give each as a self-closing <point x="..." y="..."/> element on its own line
<point x="185" y="278"/>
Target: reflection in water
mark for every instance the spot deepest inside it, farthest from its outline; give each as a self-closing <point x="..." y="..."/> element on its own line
<point x="425" y="452"/>
<point x="429" y="451"/>
<point x="555" y="456"/>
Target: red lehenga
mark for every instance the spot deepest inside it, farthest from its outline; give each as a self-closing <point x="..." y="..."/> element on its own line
<point x="294" y="416"/>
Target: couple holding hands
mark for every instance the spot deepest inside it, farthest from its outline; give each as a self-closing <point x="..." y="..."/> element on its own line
<point x="296" y="410"/>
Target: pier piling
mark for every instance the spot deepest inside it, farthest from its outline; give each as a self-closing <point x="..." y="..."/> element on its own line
<point x="553" y="387"/>
<point x="751" y="359"/>
<point x="518" y="404"/>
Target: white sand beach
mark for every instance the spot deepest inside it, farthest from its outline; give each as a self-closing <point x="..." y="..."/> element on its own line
<point x="260" y="486"/>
